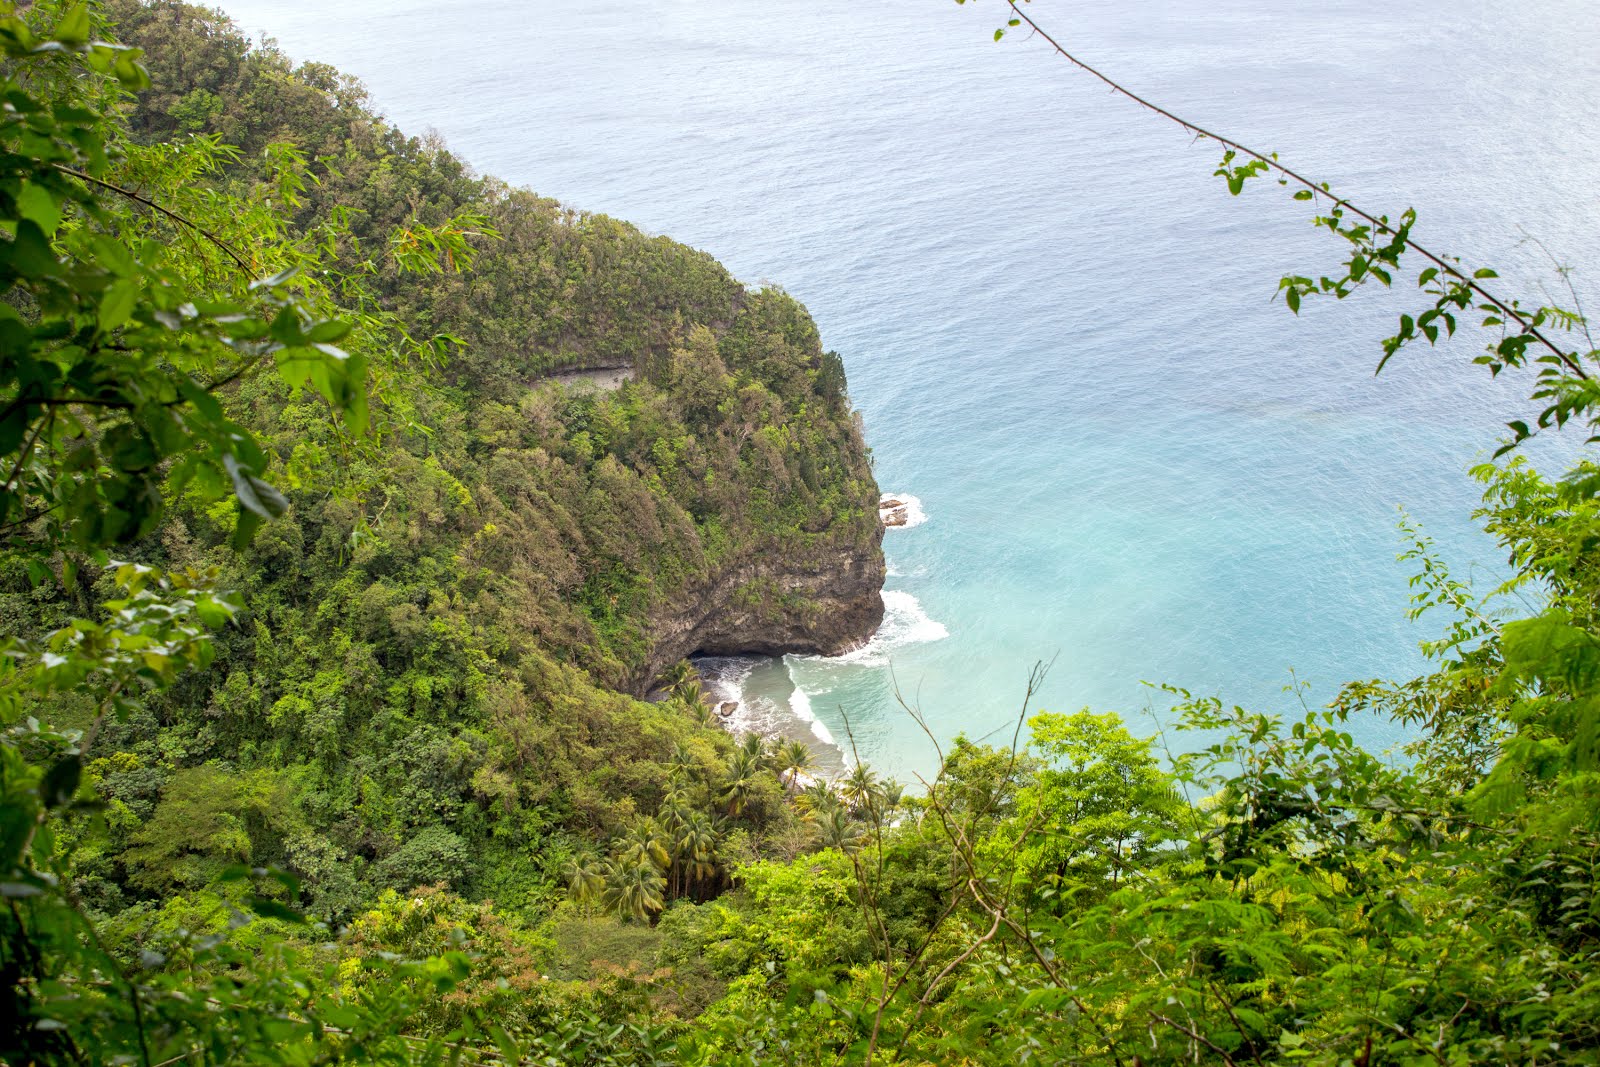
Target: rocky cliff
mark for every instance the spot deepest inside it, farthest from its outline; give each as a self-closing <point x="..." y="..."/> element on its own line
<point x="827" y="604"/>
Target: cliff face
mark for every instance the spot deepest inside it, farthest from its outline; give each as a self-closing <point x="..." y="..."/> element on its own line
<point x="826" y="604"/>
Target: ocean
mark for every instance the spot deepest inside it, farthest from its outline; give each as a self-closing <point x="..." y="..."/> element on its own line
<point x="1128" y="460"/>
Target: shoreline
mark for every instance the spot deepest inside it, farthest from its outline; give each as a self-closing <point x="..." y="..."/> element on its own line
<point x="766" y="698"/>
<point x="767" y="702"/>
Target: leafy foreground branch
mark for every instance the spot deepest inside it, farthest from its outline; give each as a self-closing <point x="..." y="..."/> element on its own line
<point x="232" y="835"/>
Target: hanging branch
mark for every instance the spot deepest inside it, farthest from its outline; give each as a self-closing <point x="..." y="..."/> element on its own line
<point x="151" y="204"/>
<point x="1271" y="163"/>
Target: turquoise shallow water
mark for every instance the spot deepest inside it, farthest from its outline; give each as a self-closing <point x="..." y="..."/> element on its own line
<point x="1059" y="327"/>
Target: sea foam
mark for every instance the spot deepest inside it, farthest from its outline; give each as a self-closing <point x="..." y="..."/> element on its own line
<point x="800" y="705"/>
<point x="904" y="623"/>
<point x="915" y="515"/>
<point x="728" y="678"/>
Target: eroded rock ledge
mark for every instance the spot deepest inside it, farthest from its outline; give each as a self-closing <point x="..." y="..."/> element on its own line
<point x="826" y="604"/>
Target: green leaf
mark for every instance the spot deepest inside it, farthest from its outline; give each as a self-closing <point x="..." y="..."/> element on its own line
<point x="255" y="495"/>
<point x="117" y="305"/>
<point x="268" y="908"/>
<point x="204" y="403"/>
<point x="327" y="332"/>
<point x="129" y="71"/>
<point x="61" y="781"/>
<point x="73" y="30"/>
<point x="29" y="253"/>
<point x="38" y="204"/>
<point x="245" y="529"/>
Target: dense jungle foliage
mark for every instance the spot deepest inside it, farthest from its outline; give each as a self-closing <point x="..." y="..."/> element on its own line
<point x="323" y="607"/>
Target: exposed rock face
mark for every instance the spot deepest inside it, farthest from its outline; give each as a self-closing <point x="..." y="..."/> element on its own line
<point x="826" y="605"/>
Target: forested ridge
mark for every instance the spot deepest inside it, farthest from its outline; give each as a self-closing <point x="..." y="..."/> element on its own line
<point x="327" y="611"/>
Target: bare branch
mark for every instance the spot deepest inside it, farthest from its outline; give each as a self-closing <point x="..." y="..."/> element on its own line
<point x="151" y="204"/>
<point x="1272" y="164"/>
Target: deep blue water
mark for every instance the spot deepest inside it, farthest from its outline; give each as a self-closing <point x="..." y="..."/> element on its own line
<point x="1059" y="327"/>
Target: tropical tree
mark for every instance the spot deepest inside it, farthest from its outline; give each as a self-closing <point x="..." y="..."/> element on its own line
<point x="1099" y="808"/>
<point x="860" y="789"/>
<point x="695" y="846"/>
<point x="891" y="794"/>
<point x="635" y="886"/>
<point x="818" y="797"/>
<point x="678" y="675"/>
<point x="793" y="760"/>
<point x="646" y="841"/>
<point x="585" y="875"/>
<point x="682" y="764"/>
<point x="758" y="748"/>
<point x="743" y="772"/>
<point x="837" y="828"/>
<point x="699" y="710"/>
<point x="689" y="691"/>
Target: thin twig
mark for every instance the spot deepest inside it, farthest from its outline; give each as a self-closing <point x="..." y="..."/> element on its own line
<point x="1321" y="190"/>
<point x="1196" y="1036"/>
<point x="27" y="450"/>
<point x="151" y="204"/>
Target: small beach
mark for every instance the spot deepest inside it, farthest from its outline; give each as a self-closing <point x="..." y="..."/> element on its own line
<point x="787" y="698"/>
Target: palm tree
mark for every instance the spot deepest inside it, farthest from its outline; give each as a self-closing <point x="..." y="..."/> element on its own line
<point x="645" y="840"/>
<point x="794" y="759"/>
<point x="696" y="845"/>
<point x="755" y="746"/>
<point x="585" y="876"/>
<point x="816" y="798"/>
<point x="682" y="763"/>
<point x="701" y="712"/>
<point x="677" y="674"/>
<point x="742" y="772"/>
<point x="838" y="829"/>
<point x="891" y="793"/>
<point x="675" y="813"/>
<point x="860" y="789"/>
<point x="675" y="808"/>
<point x="689" y="690"/>
<point x="634" y="886"/>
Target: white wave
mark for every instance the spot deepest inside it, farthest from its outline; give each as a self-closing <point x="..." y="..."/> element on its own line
<point x="726" y="678"/>
<point x="904" y="623"/>
<point x="915" y="516"/>
<point x="800" y="704"/>
<point x="723" y="677"/>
